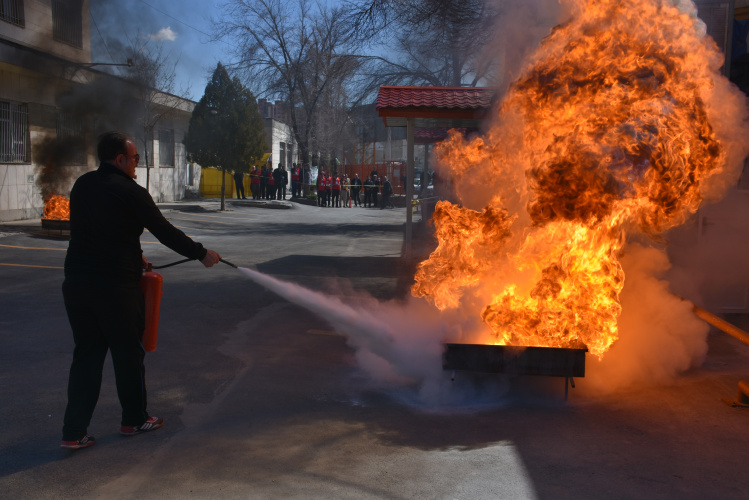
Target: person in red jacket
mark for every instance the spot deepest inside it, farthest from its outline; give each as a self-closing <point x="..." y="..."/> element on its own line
<point x="328" y="189"/>
<point x="295" y="178"/>
<point x="336" y="191"/>
<point x="321" y="189"/>
<point x="271" y="194"/>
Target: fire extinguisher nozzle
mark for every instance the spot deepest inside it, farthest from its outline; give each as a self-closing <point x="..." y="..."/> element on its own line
<point x="228" y="263"/>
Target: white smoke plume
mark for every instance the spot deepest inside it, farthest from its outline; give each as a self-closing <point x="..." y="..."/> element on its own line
<point x="395" y="344"/>
<point x="659" y="336"/>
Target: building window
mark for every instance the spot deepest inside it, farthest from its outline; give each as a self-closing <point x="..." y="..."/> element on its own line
<point x="14" y="133"/>
<point x="282" y="153"/>
<point x="166" y="148"/>
<point x="70" y="131"/>
<point x="12" y="12"/>
<point x="67" y="22"/>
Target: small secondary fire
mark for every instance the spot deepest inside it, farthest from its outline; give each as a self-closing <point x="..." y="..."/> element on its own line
<point x="620" y="125"/>
<point x="57" y="207"/>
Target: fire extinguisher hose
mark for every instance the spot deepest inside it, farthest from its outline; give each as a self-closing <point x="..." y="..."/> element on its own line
<point x="188" y="260"/>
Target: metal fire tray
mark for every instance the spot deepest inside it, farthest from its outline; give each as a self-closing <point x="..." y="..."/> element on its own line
<point x="56" y="224"/>
<point x="516" y="360"/>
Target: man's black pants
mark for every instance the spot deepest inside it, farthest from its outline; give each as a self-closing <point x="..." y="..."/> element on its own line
<point x="104" y="318"/>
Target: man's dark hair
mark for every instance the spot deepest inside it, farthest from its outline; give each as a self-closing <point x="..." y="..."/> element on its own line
<point x="111" y="144"/>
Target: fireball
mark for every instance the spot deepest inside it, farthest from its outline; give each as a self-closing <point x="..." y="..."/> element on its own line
<point x="610" y="131"/>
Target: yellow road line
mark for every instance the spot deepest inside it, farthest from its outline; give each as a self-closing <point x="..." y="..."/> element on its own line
<point x="28" y="265"/>
<point x="34" y="248"/>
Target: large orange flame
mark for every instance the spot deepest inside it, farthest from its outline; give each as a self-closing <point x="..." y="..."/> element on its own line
<point x="607" y="132"/>
<point x="57" y="207"/>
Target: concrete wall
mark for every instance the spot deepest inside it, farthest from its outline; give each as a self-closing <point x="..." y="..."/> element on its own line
<point x="169" y="183"/>
<point x="37" y="32"/>
<point x="277" y="132"/>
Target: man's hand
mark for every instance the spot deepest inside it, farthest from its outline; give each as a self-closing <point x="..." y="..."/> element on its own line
<point x="210" y="258"/>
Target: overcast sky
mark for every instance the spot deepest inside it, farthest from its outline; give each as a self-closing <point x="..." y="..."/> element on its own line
<point x="181" y="26"/>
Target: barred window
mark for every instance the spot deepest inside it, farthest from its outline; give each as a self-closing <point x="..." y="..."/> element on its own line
<point x="166" y="148"/>
<point x="12" y="12"/>
<point x="67" y="22"/>
<point x="14" y="133"/>
<point x="70" y="130"/>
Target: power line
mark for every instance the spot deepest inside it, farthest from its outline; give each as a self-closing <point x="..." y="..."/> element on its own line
<point x="102" y="38"/>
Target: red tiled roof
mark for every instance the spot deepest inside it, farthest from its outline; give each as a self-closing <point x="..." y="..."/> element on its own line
<point x="443" y="98"/>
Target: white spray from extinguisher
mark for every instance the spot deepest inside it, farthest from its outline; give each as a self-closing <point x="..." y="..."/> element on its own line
<point x="394" y="343"/>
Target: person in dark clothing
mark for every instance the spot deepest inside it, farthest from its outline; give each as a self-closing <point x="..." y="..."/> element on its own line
<point x="356" y="185"/>
<point x="387" y="191"/>
<point x="284" y="182"/>
<point x="264" y="183"/>
<point x="280" y="178"/>
<point x="101" y="290"/>
<point x="239" y="181"/>
<point x="375" y="189"/>
<point x="368" y="192"/>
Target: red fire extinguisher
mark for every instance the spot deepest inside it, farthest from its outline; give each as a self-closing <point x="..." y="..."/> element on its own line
<point x="151" y="283"/>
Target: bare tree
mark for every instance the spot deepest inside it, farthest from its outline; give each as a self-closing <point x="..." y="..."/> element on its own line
<point x="153" y="73"/>
<point x="437" y="42"/>
<point x="294" y="51"/>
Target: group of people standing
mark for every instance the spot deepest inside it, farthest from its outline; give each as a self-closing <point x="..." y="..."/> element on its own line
<point x="335" y="190"/>
<point x="269" y="184"/>
<point x="265" y="183"/>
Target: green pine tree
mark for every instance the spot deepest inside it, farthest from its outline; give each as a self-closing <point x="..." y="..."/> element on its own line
<point x="226" y="129"/>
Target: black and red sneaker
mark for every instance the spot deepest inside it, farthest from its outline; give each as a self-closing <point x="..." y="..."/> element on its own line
<point x="151" y="424"/>
<point x="84" y="442"/>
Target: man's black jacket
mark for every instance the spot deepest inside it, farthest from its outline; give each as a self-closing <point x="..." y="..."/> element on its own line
<point x="108" y="211"/>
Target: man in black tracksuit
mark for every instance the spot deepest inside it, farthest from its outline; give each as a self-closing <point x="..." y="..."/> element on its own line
<point x="102" y="294"/>
<point x="356" y="185"/>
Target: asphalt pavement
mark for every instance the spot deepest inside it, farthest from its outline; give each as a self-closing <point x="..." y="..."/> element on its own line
<point x="265" y="399"/>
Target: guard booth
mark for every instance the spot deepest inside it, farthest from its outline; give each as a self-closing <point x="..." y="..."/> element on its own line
<point x="430" y="108"/>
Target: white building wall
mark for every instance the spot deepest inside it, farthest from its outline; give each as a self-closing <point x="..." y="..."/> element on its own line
<point x="277" y="132"/>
